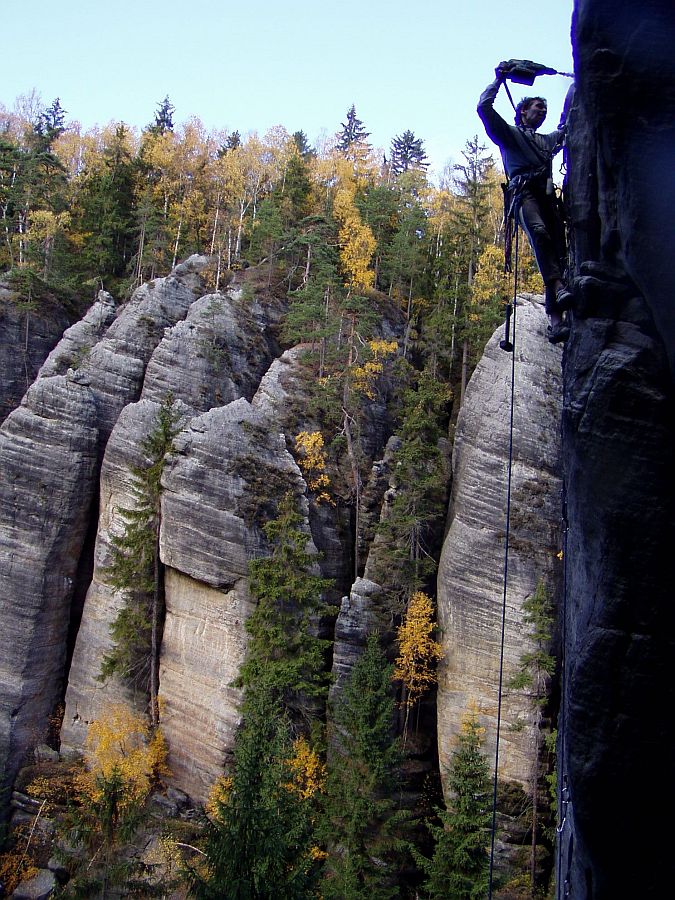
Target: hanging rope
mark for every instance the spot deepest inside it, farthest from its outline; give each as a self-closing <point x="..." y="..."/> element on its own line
<point x="506" y="568"/>
<point x="562" y="885"/>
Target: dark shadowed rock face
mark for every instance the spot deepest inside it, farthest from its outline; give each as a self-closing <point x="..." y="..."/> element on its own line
<point x="26" y="338"/>
<point x="618" y="440"/>
<point x="44" y="504"/>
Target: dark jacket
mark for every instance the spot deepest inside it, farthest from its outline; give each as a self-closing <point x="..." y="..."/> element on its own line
<point x="524" y="151"/>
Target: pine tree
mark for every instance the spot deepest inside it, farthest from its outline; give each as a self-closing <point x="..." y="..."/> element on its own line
<point x="136" y="569"/>
<point x="407" y="152"/>
<point x="232" y="142"/>
<point x="260" y="838"/>
<point x="362" y="827"/>
<point x="312" y="315"/>
<point x="459" y="866"/>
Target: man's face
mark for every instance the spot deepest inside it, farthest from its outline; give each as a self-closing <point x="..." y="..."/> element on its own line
<point x="534" y="115"/>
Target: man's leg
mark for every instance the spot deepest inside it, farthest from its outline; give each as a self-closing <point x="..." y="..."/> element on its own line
<point x="533" y="215"/>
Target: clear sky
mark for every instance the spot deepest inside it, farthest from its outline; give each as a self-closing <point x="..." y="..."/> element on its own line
<point x="252" y="64"/>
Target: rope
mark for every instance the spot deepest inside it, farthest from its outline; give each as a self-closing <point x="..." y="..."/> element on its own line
<point x="506" y="573"/>
<point x="562" y="889"/>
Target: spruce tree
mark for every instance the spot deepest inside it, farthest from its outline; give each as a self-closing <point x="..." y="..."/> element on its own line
<point x="260" y="837"/>
<point x="353" y="131"/>
<point x="163" y="117"/>
<point x="410" y="527"/>
<point x="137" y="571"/>
<point x="105" y="210"/>
<point x="362" y="826"/>
<point x="460" y="864"/>
<point x="407" y="152"/>
<point x="285" y="656"/>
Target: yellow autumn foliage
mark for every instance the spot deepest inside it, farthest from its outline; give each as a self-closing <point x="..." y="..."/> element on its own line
<point x="312" y="461"/>
<point x="219" y="794"/>
<point x="17" y="864"/>
<point x="309" y="773"/>
<point x="364" y="376"/>
<point x="470" y="724"/>
<point x="357" y="242"/>
<point x="120" y="742"/>
<point x="418" y="653"/>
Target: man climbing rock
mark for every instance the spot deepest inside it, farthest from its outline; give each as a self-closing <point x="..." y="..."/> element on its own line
<point x="530" y="194"/>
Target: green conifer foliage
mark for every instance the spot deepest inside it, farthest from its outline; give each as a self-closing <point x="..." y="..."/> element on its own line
<point x="163" y="117"/>
<point x="105" y="210"/>
<point x="460" y="864"/>
<point x="362" y="827"/>
<point x="353" y="131"/>
<point x="407" y="152"/>
<point x="408" y="555"/>
<point x="259" y="840"/>
<point x="136" y="569"/>
<point x="285" y="656"/>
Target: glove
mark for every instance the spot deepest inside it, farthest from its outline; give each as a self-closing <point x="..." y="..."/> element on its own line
<point x="503" y="69"/>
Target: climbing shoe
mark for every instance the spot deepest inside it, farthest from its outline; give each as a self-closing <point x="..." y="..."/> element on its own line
<point x="563" y="299"/>
<point x="556" y="334"/>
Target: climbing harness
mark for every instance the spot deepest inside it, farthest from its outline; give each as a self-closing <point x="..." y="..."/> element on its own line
<point x="509" y="346"/>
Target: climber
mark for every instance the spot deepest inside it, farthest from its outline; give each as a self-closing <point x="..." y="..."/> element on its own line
<point x="530" y="193"/>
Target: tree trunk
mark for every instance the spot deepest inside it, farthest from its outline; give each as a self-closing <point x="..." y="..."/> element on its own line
<point x="465" y="368"/>
<point x="215" y="225"/>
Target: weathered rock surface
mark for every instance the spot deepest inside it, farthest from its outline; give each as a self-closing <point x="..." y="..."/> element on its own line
<point x="470" y="577"/>
<point x="115" y="366"/>
<point x="39" y="887"/>
<point x="45" y="499"/>
<point x="364" y="610"/>
<point x="203" y="648"/>
<point x="26" y="338"/>
<point x="617" y="733"/>
<point x="229" y="467"/>
<point x="209" y="532"/>
<point x="217" y="354"/>
<point x="86" y="696"/>
<point x="78" y="340"/>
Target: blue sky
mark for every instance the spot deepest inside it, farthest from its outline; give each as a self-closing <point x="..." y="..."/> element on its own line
<point x="252" y="64"/>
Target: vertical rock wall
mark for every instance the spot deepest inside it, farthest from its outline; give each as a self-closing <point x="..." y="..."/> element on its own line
<point x="45" y="498"/>
<point x="470" y="577"/>
<point x="48" y="485"/>
<point x="617" y="732"/>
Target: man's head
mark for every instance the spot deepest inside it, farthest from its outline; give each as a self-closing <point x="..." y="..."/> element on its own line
<point x="531" y="112"/>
